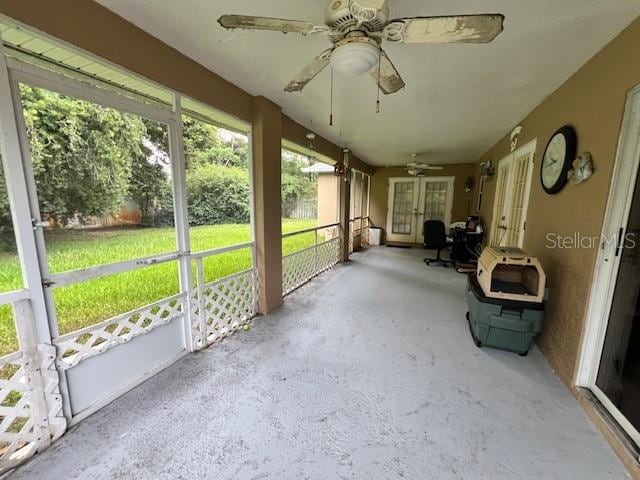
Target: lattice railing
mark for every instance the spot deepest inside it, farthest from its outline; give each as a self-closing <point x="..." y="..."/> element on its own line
<point x="300" y="267"/>
<point x="221" y="307"/>
<point x="87" y="342"/>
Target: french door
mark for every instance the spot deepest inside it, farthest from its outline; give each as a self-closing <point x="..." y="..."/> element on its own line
<point x="512" y="197"/>
<point x="412" y="201"/>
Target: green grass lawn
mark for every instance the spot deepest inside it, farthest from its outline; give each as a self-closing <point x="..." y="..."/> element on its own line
<point x="89" y="302"/>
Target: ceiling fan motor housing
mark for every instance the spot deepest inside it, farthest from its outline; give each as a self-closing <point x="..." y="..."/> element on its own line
<point x="345" y="14"/>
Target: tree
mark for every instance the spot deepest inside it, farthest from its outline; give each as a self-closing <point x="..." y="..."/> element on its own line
<point x="81" y="154"/>
<point x="206" y="144"/>
<point x="149" y="184"/>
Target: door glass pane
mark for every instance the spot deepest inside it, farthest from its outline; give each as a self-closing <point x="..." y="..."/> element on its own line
<point x="435" y="201"/>
<point x="499" y="226"/>
<point x="619" y="372"/>
<point x="402" y="207"/>
<point x="103" y="179"/>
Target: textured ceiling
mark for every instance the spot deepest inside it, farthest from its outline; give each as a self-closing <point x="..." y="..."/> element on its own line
<point x="459" y="100"/>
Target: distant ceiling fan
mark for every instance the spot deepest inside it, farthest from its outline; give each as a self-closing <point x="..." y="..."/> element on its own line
<point x="357" y="28"/>
<point x="417" y="169"/>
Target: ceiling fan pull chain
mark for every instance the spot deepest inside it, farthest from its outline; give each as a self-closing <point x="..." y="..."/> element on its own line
<point x="378" y="85"/>
<point x="331" y="101"/>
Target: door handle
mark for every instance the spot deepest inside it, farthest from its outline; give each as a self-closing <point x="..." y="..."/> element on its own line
<point x="620" y="242"/>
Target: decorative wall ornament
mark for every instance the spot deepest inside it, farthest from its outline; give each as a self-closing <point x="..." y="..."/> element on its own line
<point x="468" y="185"/>
<point x="311" y="141"/>
<point x="582" y="169"/>
<point x="515" y="136"/>
<point x="486" y="170"/>
<point x="341" y="168"/>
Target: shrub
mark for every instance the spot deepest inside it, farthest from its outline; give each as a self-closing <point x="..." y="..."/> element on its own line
<point x="217" y="195"/>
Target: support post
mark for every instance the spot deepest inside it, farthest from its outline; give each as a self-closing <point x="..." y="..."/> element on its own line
<point x="181" y="218"/>
<point x="344" y="190"/>
<point x="267" y="165"/>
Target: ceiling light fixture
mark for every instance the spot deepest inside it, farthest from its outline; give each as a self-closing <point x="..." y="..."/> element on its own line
<point x="357" y="55"/>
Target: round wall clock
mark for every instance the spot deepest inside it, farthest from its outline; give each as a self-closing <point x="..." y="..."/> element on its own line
<point x="557" y="159"/>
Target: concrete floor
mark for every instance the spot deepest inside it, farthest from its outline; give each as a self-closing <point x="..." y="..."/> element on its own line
<point x="368" y="372"/>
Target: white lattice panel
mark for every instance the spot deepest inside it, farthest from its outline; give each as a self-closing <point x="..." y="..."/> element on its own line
<point x="17" y="433"/>
<point x="96" y="339"/>
<point x="23" y="385"/>
<point x="226" y="305"/>
<point x="300" y="267"/>
<point x="328" y="255"/>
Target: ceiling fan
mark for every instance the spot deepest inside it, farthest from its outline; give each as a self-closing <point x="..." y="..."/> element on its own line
<point x="357" y="29"/>
<point x="417" y="169"/>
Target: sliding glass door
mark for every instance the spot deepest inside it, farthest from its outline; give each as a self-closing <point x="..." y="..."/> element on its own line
<point x="619" y="372"/>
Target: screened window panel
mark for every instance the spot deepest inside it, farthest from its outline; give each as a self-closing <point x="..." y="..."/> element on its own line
<point x="365" y="195"/>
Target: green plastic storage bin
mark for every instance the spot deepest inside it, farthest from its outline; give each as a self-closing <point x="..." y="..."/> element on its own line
<point x="504" y="324"/>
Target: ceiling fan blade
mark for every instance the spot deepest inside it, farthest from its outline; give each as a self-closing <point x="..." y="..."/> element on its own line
<point x="386" y="75"/>
<point x="430" y="167"/>
<point x="309" y="72"/>
<point x="447" y="29"/>
<point x="373" y="4"/>
<point x="274" y="24"/>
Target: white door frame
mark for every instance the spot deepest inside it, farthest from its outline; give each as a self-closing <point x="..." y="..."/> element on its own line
<point x="621" y="193"/>
<point x="527" y="149"/>
<point x="399" y="237"/>
<point x="421" y="200"/>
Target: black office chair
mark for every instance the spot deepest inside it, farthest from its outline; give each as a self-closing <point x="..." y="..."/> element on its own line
<point x="435" y="237"/>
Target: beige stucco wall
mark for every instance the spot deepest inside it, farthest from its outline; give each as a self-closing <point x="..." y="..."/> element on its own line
<point x="328" y="201"/>
<point x="592" y="100"/>
<point x="380" y="190"/>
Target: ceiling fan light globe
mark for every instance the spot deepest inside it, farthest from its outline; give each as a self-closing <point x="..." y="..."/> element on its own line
<point x="354" y="58"/>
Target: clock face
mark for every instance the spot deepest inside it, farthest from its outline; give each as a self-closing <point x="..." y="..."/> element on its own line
<point x="557" y="158"/>
<point x="553" y="161"/>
